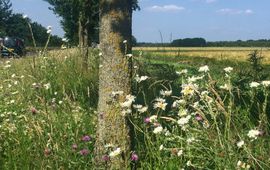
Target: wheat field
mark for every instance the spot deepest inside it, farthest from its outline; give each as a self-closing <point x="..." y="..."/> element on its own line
<point x="219" y="53"/>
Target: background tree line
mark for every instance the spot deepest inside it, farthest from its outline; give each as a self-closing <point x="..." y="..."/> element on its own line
<point x="15" y="25"/>
<point x="201" y="42"/>
<point x="80" y="19"/>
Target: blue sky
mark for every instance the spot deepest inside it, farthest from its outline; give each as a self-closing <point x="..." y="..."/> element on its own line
<point x="211" y="19"/>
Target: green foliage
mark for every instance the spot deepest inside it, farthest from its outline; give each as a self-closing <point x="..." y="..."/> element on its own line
<point x="134" y="41"/>
<point x="201" y="42"/>
<point x="203" y="123"/>
<point x="17" y="26"/>
<point x="189" y="42"/>
<point x="45" y="111"/>
<point x="240" y="43"/>
<point x="71" y="11"/>
<point x="40" y="35"/>
<point x="5" y="13"/>
<point x="85" y="11"/>
<point x="14" y="25"/>
<point x="255" y="61"/>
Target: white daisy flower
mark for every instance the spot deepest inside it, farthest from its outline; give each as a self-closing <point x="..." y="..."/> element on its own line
<point x="158" y="130"/>
<point x="253" y="134"/>
<point x="204" y="69"/>
<point x="228" y="69"/>
<point x="115" y="152"/>
<point x="254" y="84"/>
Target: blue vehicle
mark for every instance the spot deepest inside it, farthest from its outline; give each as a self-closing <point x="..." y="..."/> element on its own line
<point x="10" y="46"/>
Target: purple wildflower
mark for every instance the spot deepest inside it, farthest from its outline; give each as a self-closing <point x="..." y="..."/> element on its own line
<point x="147" y="120"/>
<point x="86" y="138"/>
<point x="105" y="158"/>
<point x="134" y="157"/>
<point x="47" y="152"/>
<point x="84" y="152"/>
<point x="198" y="117"/>
<point x="74" y="146"/>
<point x="34" y="110"/>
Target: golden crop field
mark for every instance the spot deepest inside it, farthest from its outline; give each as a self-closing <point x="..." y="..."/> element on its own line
<point x="220" y="53"/>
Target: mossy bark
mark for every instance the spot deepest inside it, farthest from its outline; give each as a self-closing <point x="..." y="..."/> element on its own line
<point x="114" y="75"/>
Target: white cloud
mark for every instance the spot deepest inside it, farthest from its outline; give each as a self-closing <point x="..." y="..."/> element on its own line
<point x="230" y="11"/>
<point x="205" y="1"/>
<point x="210" y="1"/>
<point x="249" y="11"/>
<point x="165" y="8"/>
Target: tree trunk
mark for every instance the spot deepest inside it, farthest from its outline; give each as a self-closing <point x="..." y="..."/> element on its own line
<point x="114" y="75"/>
<point x="83" y="40"/>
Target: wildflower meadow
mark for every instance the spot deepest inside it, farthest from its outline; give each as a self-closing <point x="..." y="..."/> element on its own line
<point x="99" y="103"/>
<point x="187" y="121"/>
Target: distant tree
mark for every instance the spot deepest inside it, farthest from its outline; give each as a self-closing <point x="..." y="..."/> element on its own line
<point x="134" y="41"/>
<point x="88" y="17"/>
<point x="5" y="12"/>
<point x="80" y="18"/>
<point x="189" y="42"/>
<point x="16" y="26"/>
<point x="41" y="36"/>
<point x="115" y="28"/>
<point x="80" y="21"/>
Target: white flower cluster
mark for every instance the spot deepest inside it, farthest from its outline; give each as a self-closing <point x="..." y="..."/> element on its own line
<point x="7" y="65"/>
<point x="266" y="83"/>
<point x="166" y="92"/>
<point x="115" y="153"/>
<point x="117" y="93"/>
<point x="253" y="134"/>
<point x="126" y="105"/>
<point x="177" y="103"/>
<point x="47" y="86"/>
<point x="225" y="87"/>
<point x="140" y="108"/>
<point x="128" y="101"/>
<point x="158" y="130"/>
<point x="153" y="118"/>
<point x="243" y="165"/>
<point x="240" y="144"/>
<point x="65" y="40"/>
<point x="204" y="69"/>
<point x="254" y="84"/>
<point x="184" y="120"/>
<point x="188" y="89"/>
<point x="140" y="79"/>
<point x="49" y="29"/>
<point x="228" y="69"/>
<point x="185" y="71"/>
<point x="160" y="103"/>
<point x="182" y="112"/>
<point x="194" y="79"/>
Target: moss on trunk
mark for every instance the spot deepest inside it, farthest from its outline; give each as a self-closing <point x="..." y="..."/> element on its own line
<point x="115" y="27"/>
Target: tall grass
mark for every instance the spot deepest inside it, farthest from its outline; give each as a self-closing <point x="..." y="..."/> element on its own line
<point x="190" y="119"/>
<point x="46" y="111"/>
<point x="206" y="124"/>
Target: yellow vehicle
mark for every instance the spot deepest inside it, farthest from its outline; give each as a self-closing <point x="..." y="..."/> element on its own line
<point x="12" y="47"/>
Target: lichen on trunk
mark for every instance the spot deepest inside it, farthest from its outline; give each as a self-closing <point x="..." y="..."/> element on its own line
<point x="115" y="27"/>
